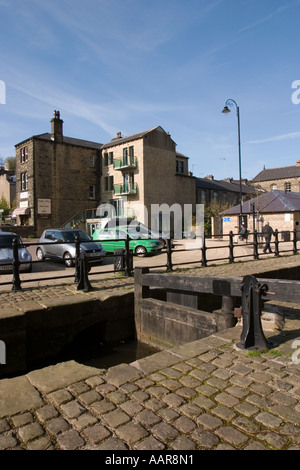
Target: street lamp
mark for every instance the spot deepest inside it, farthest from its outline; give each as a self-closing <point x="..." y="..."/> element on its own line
<point x="226" y="110"/>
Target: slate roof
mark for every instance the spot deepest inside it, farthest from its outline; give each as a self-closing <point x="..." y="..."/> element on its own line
<point x="269" y="202"/>
<point x="122" y="140"/>
<point x="222" y="185"/>
<point x="269" y="174"/>
<point x="67" y="140"/>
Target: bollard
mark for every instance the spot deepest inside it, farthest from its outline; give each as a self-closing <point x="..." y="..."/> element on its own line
<point x="84" y="283"/>
<point x="252" y="336"/>
<point x="16" y="266"/>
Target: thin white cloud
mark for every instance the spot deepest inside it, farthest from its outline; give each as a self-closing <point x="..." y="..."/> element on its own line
<point x="270" y="16"/>
<point x="291" y="135"/>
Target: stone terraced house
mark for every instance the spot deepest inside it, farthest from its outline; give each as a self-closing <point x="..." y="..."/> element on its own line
<point x="56" y="177"/>
<point x="285" y="178"/>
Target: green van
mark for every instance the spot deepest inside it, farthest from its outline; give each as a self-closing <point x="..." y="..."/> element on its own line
<point x="140" y="243"/>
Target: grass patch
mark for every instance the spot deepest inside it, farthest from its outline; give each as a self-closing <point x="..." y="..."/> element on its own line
<point x="274" y="352"/>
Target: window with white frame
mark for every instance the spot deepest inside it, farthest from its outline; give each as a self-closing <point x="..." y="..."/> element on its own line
<point x="288" y="186"/>
<point x="24" y="181"/>
<point x="23" y="154"/>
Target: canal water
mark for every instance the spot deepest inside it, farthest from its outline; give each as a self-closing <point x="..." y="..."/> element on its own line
<point x="94" y="353"/>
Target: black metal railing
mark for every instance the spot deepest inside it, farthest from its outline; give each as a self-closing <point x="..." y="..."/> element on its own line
<point x="123" y="258"/>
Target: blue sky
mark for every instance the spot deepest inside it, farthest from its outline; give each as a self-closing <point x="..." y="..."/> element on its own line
<point x="131" y="65"/>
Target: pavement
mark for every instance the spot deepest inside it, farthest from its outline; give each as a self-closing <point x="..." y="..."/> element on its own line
<point x="207" y="394"/>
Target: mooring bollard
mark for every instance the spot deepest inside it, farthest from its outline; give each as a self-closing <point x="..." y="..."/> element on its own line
<point x="84" y="283"/>
<point x="252" y="336"/>
<point x="16" y="266"/>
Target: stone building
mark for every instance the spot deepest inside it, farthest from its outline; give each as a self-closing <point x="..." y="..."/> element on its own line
<point x="56" y="177"/>
<point x="144" y="169"/>
<point x="8" y="185"/>
<point x="280" y="208"/>
<point x="223" y="192"/>
<point x="285" y="178"/>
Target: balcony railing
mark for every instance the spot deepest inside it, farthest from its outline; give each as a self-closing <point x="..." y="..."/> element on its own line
<point x="124" y="163"/>
<point x="126" y="188"/>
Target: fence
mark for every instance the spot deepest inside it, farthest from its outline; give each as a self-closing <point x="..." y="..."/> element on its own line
<point x="123" y="259"/>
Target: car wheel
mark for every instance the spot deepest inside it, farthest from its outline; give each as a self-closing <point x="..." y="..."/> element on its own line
<point x="140" y="251"/>
<point x="68" y="260"/>
<point x="39" y="254"/>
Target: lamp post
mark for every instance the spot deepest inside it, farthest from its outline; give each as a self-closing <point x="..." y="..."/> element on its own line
<point x="226" y="110"/>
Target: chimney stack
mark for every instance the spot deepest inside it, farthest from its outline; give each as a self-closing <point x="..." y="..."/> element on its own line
<point x="56" y="127"/>
<point x="298" y="163"/>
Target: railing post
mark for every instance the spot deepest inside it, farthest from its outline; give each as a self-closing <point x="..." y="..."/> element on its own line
<point x="169" y="255"/>
<point x="203" y="250"/>
<point x="84" y="283"/>
<point x="255" y="245"/>
<point x="295" y="242"/>
<point x="16" y="266"/>
<point x="128" y="258"/>
<point x="276" y="242"/>
<point x="231" y="256"/>
<point x="77" y="256"/>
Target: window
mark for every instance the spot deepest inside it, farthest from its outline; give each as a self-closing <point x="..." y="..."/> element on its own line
<point x="273" y="186"/>
<point x="108" y="183"/>
<point x="108" y="158"/>
<point x="179" y="166"/>
<point x="92" y="161"/>
<point x="92" y="192"/>
<point x="24" y="154"/>
<point x="288" y="186"/>
<point x="131" y="151"/>
<point x="24" y="181"/>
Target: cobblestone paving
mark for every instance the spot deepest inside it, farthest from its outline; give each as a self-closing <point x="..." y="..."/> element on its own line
<point x="204" y="395"/>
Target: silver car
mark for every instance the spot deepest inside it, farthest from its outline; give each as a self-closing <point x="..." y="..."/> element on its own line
<point x="6" y="253"/>
<point x="59" y="244"/>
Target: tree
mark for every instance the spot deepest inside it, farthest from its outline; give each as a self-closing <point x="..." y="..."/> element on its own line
<point x="11" y="163"/>
<point x="4" y="206"/>
<point x="212" y="210"/>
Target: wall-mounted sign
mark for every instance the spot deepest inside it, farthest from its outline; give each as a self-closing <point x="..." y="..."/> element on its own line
<point x="24" y="195"/>
<point x="44" y="206"/>
<point x="23" y="203"/>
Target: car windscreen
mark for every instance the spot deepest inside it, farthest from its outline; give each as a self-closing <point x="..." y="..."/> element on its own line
<point x="7" y="240"/>
<point x="71" y="236"/>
